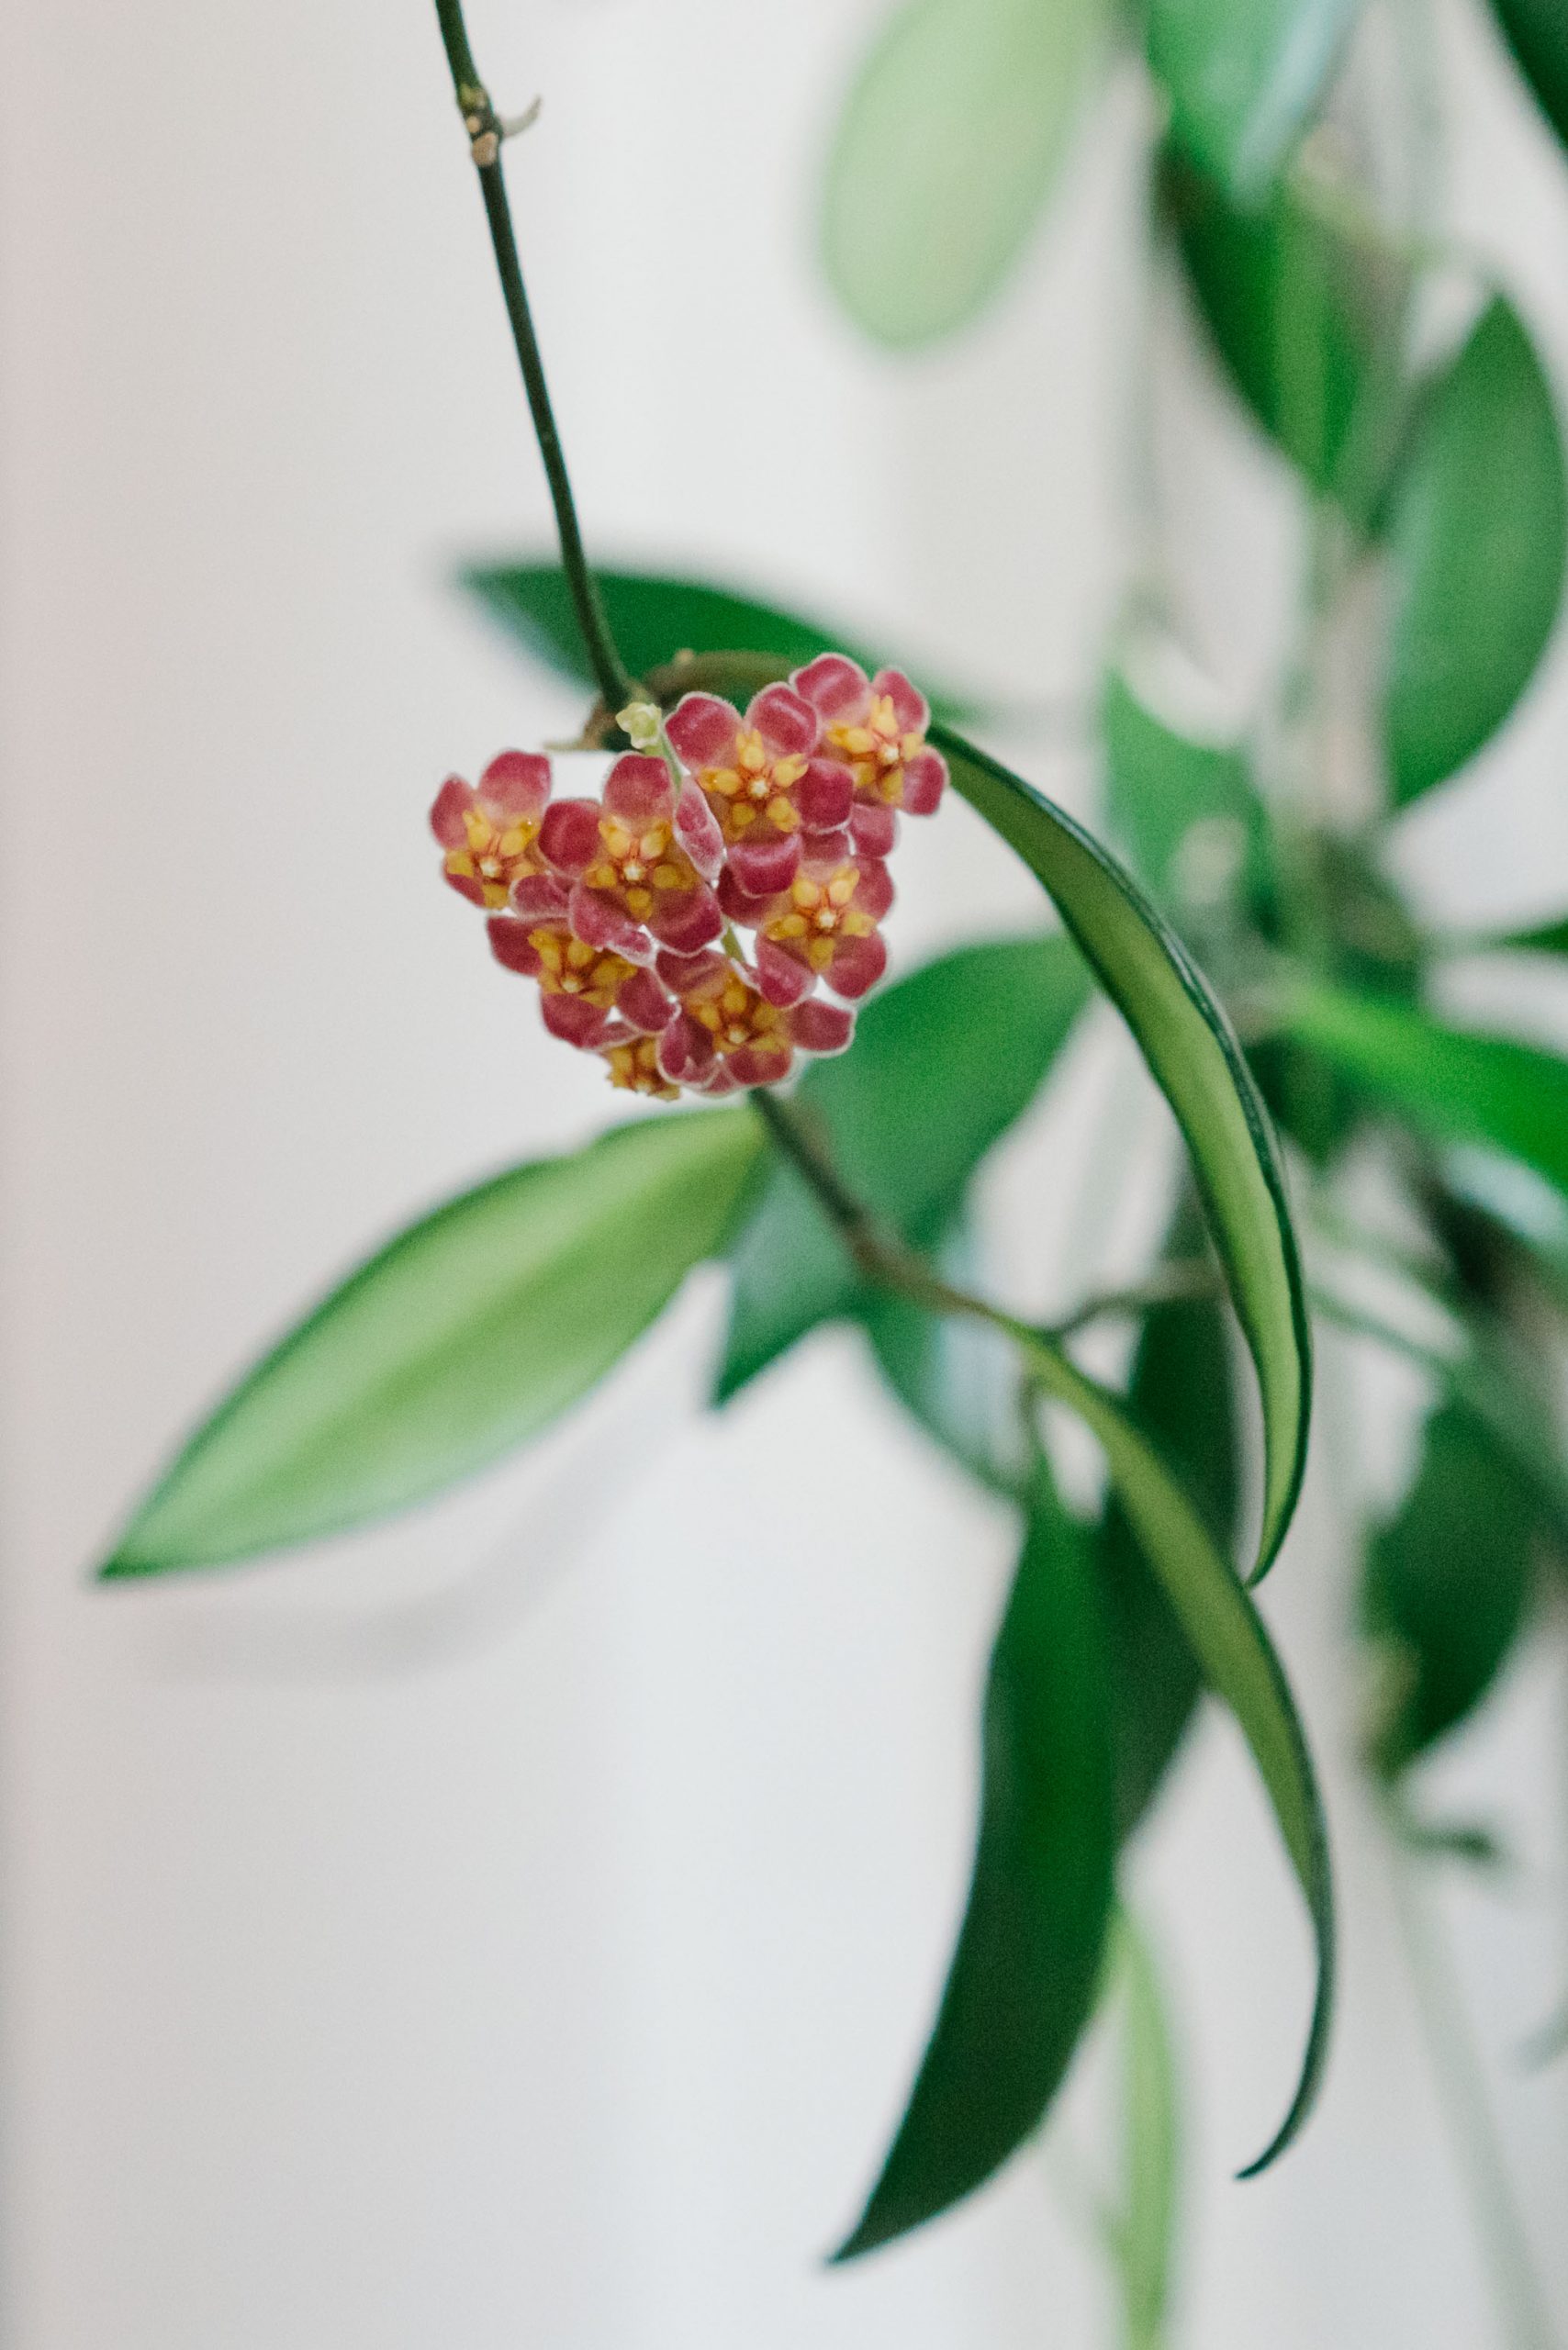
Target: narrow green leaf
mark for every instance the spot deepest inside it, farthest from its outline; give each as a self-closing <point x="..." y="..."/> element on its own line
<point x="1227" y="1635"/>
<point x="1182" y="1400"/>
<point x="1455" y="1084"/>
<point x="1537" y="32"/>
<point x="1479" y="528"/>
<point x="1187" y="809"/>
<point x="654" y="616"/>
<point x="1144" y="2233"/>
<point x="1197" y="1064"/>
<point x="1027" y="1960"/>
<point x="946" y="150"/>
<point x="942" y="1063"/>
<point x="957" y="1378"/>
<point x="1307" y="322"/>
<point x="463" y="1337"/>
<point x="1505" y="1198"/>
<point x="1544" y="938"/>
<point x="1446" y="1584"/>
<point x="1244" y="78"/>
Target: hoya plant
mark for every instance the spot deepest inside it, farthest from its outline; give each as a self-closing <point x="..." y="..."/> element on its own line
<point x="695" y="894"/>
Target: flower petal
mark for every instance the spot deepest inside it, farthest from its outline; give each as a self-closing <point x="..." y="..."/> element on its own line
<point x="736" y="905"/>
<point x="818" y="1027"/>
<point x="510" y="945"/>
<point x="761" y="1064"/>
<point x="597" y="921"/>
<point x="787" y="724"/>
<point x="910" y="708"/>
<point x="857" y="964"/>
<point x="782" y="977"/>
<point x="764" y="861"/>
<point x="638" y="789"/>
<point x="697" y="829"/>
<point x="703" y="730"/>
<point x="837" y="687"/>
<point x="873" y="888"/>
<point x="575" y="1022"/>
<point x="873" y="828"/>
<point x="683" y="973"/>
<point x="643" y="1005"/>
<point x="686" y="1051"/>
<point x="684" y="920"/>
<point x="825" y="796"/>
<point x="515" y="784"/>
<point x="539" y="897"/>
<point x="924" y="777"/>
<point x="569" y="837"/>
<point x="450" y="806"/>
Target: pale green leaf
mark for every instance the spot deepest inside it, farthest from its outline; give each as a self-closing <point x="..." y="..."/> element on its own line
<point x="1245" y="77"/>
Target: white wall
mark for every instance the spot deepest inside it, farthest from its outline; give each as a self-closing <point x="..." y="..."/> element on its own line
<point x="518" y="1926"/>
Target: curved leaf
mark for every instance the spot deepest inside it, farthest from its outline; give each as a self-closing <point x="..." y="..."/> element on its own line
<point x="1537" y="32"/>
<point x="1244" y="78"/>
<point x="1143" y="2233"/>
<point x="655" y="616"/>
<point x="463" y="1337"/>
<point x="1194" y="1059"/>
<point x="1161" y="787"/>
<point x="1027" y="1962"/>
<point x="952" y="135"/>
<point x="942" y="1063"/>
<point x="958" y="1379"/>
<point x="1479" y="526"/>
<point x="1227" y="1635"/>
<point x="1446" y="1582"/>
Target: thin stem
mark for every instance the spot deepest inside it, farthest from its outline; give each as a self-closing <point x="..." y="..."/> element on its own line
<point x="1456" y="2067"/>
<point x="486" y="132"/>
<point x="1184" y="1278"/>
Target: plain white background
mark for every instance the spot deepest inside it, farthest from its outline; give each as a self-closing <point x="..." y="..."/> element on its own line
<point x="518" y="1926"/>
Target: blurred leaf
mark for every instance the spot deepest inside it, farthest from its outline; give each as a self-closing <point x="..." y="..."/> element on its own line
<point x="1537" y="32"/>
<point x="1244" y="78"/>
<point x="1194" y="1059"/>
<point x="1506" y="1197"/>
<point x="1027" y="1962"/>
<point x="1479" y="527"/>
<point x="953" y="133"/>
<point x="1469" y="1841"/>
<point x="1227" y="1635"/>
<point x="957" y="1378"/>
<point x="1193" y="825"/>
<point x="1181" y="1398"/>
<point x="942" y="1065"/>
<point x="1144" y="2231"/>
<point x="463" y="1337"/>
<point x="1446" y="1580"/>
<point x="1307" y="322"/>
<point x="1545" y="938"/>
<point x="653" y="617"/>
<point x="1454" y="1084"/>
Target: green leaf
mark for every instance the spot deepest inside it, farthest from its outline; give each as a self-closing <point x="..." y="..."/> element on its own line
<point x="1537" y="32"/>
<point x="1545" y="938"/>
<point x="1244" y="77"/>
<point x="1307" y="320"/>
<point x="1455" y="1084"/>
<point x="1479" y="528"/>
<point x="952" y="136"/>
<point x="653" y="617"/>
<point x="1187" y="809"/>
<point x="1447" y="1580"/>
<point x="957" y="1378"/>
<point x="1181" y="1398"/>
<point x="942" y="1063"/>
<point x="1227" y="1635"/>
<point x="462" y="1338"/>
<point x="1143" y="2233"/>
<point x="1494" y="1196"/>
<point x="1194" y="1059"/>
<point x="1026" y="1964"/>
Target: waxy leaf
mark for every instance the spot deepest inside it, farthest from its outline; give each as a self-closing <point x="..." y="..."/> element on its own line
<point x="1446" y="1579"/>
<point x="1306" y="321"/>
<point x="655" y="617"/>
<point x="1194" y="1059"/>
<point x="1027" y="1962"/>
<point x="1537" y="32"/>
<point x="1143" y="2232"/>
<point x="957" y="1378"/>
<point x="1478" y="522"/>
<point x="946" y="152"/>
<point x="1226" y="1636"/>
<point x="1244" y="78"/>
<point x="1187" y="810"/>
<point x="942" y="1065"/>
<point x="1181" y="1398"/>
<point x="1455" y="1084"/>
<point x="465" y="1335"/>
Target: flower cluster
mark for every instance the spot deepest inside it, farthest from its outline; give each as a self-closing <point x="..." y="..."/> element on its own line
<point x="626" y="910"/>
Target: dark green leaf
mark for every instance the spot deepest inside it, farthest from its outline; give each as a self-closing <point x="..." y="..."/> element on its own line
<point x="1537" y="32"/>
<point x="1244" y="77"/>
<point x="1307" y="322"/>
<point x="1144" y="2231"/>
<point x="1227" y="1635"/>
<point x="942" y="1065"/>
<point x="1470" y="1841"/>
<point x="1485" y="1199"/>
<point x="655" y="617"/>
<point x="1027" y="1960"/>
<point x="1182" y="1400"/>
<point x="1187" y="810"/>
<point x="1447" y="1580"/>
<point x="1543" y="938"/>
<point x="465" y="1335"/>
<point x="1195" y="1061"/>
<point x="945" y="155"/>
<point x="1479" y="527"/>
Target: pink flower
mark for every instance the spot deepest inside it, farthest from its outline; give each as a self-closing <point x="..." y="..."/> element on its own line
<point x="825" y="927"/>
<point x="876" y="727"/>
<point x="763" y="779"/>
<point x="637" y="867"/>
<point x="587" y="994"/>
<point x="491" y="835"/>
<point x="726" y="1034"/>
